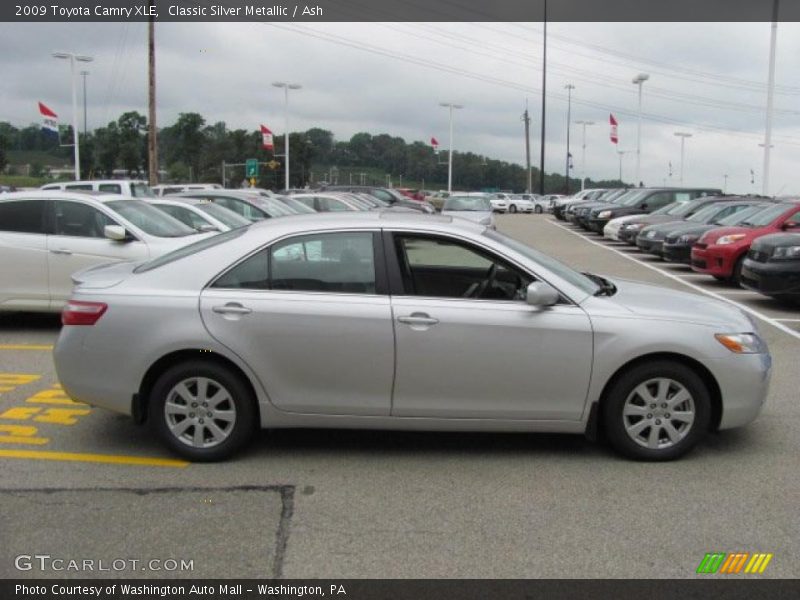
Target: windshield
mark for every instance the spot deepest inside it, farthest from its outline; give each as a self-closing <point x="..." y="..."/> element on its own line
<point x="149" y="219"/>
<point x="222" y="214"/>
<point x="767" y="216"/>
<point x="295" y="205"/>
<point x="566" y="273"/>
<point x="141" y="190"/>
<point x="706" y="214"/>
<point x="740" y="216"/>
<point x="274" y="207"/>
<point x="467" y="203"/>
<point x="633" y="198"/>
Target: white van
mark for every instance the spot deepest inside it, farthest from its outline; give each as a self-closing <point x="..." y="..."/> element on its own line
<point x="126" y="187"/>
<point x="166" y="189"/>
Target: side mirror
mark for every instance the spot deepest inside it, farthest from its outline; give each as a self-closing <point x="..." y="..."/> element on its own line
<point x="206" y="228"/>
<point x="541" y="295"/>
<point x="115" y="232"/>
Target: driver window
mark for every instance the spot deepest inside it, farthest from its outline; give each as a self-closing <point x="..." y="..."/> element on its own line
<point x="444" y="268"/>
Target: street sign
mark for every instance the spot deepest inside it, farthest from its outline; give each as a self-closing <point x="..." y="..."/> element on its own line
<point x="273" y="164"/>
<point x="251" y="168"/>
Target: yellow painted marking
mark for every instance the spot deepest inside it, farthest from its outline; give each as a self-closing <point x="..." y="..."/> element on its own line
<point x="6" y="388"/>
<point x="53" y="396"/>
<point x="25" y="347"/>
<point x="62" y="416"/>
<point x="97" y="458"/>
<point x="740" y="563"/>
<point x="20" y="434"/>
<point x="15" y="379"/>
<point x="764" y="564"/>
<point x="20" y="413"/>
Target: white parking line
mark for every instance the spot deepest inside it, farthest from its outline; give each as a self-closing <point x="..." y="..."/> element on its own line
<point x="789" y="320"/>
<point x="774" y="322"/>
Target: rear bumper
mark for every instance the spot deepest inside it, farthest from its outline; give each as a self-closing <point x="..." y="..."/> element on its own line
<point x="772" y="279"/>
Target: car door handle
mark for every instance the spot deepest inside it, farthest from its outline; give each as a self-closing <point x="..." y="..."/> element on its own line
<point x="418" y="319"/>
<point x="61" y="251"/>
<point x="231" y="309"/>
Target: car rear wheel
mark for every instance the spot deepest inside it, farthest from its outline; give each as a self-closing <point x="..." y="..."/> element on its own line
<point x="512" y="208"/>
<point x="657" y="411"/>
<point x="202" y="410"/>
<point x="537" y="209"/>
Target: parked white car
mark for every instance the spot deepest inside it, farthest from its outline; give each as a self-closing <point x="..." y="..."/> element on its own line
<point x="47" y="235"/>
<point x="499" y="201"/>
<point x="201" y="215"/>
<point x="126" y="187"/>
<point x="520" y="203"/>
<point x="176" y="188"/>
<point x="611" y="230"/>
<point x="472" y="208"/>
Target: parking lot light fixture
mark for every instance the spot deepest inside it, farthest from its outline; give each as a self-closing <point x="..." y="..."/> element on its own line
<point x="72" y="57"/>
<point x="639" y="80"/>
<point x="450" y="106"/>
<point x="286" y="87"/>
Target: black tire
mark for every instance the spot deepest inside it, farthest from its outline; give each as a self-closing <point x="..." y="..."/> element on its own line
<point x="720" y="278"/>
<point x="614" y="421"/>
<point x="512" y="208"/>
<point x="240" y="399"/>
<point x="537" y="209"/>
<point x="736" y="275"/>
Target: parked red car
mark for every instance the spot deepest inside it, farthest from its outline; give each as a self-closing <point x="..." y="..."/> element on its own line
<point x="720" y="252"/>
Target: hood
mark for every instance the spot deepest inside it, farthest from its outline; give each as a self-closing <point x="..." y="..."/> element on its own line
<point x="668" y="227"/>
<point x="717" y="232"/>
<point x="776" y="240"/>
<point x="657" y="302"/>
<point x="618" y="211"/>
<point x="619" y="221"/>
<point x="655" y="219"/>
<point x="104" y="275"/>
<point x="687" y="229"/>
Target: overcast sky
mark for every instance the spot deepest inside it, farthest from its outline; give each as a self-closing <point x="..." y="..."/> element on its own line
<point x="705" y="79"/>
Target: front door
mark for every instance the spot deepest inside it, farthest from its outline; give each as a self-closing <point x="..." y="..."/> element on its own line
<point x="469" y="346"/>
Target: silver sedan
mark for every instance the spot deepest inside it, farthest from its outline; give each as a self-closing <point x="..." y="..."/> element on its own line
<point x="399" y="321"/>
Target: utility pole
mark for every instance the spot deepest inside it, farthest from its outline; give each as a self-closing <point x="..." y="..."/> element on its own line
<point x="770" y="94"/>
<point x="527" y="121"/>
<point x="450" y="106"/>
<point x="152" y="141"/>
<point x="72" y="57"/>
<point x="84" y="74"/>
<point x="683" y="135"/>
<point x="569" y="87"/>
<point x="544" y="90"/>
<point x="621" y="153"/>
<point x="639" y="80"/>
<point x="286" y="87"/>
<point x="583" y="151"/>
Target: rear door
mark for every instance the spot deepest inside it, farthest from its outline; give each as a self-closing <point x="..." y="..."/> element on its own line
<point x="77" y="241"/>
<point x="23" y="248"/>
<point x="311" y="316"/>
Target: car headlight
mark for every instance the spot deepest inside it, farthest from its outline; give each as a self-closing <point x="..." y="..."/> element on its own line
<point x="604" y="214"/>
<point x="742" y="343"/>
<point x="687" y="239"/>
<point x="730" y="239"/>
<point x="633" y="226"/>
<point x="786" y="252"/>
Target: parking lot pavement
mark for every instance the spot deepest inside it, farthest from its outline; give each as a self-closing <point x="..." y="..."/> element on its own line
<point x="374" y="504"/>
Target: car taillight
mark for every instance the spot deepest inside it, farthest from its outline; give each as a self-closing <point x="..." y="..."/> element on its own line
<point x="82" y="313"/>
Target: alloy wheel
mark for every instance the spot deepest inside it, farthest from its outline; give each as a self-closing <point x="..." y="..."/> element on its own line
<point x="200" y="412"/>
<point x="658" y="413"/>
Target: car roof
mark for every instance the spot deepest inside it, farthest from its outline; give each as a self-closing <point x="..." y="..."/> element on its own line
<point x="66" y="195"/>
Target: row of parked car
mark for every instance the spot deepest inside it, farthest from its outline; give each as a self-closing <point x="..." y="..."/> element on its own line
<point x="748" y="241"/>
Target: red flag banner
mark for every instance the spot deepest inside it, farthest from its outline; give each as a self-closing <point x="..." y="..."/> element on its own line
<point x="266" y="138"/>
<point x="434" y="143"/>
<point x="613" y="122"/>
<point x="49" y="119"/>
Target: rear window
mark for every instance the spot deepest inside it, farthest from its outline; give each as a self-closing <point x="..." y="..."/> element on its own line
<point x="141" y="190"/>
<point x="194" y="248"/>
<point x="767" y="216"/>
<point x="22" y="216"/>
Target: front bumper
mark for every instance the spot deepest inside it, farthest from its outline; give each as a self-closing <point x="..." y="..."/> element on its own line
<point x="677" y="253"/>
<point x="772" y="278"/>
<point x="713" y="260"/>
<point x="595" y="224"/>
<point x="650" y="246"/>
<point x="744" y="384"/>
<point x="629" y="236"/>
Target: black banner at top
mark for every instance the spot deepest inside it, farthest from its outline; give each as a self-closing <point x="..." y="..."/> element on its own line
<point x="400" y="10"/>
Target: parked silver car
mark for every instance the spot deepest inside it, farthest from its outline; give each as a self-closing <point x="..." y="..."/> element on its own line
<point x="389" y="320"/>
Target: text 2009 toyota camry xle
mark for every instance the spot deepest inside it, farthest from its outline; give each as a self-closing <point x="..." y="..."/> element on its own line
<point x="399" y="321"/>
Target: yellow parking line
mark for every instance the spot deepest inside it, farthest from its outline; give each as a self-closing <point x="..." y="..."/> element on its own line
<point x="97" y="458"/>
<point x="25" y="347"/>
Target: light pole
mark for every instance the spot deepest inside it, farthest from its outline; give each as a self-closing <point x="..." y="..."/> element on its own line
<point x="683" y="135"/>
<point x="450" y="106"/>
<point x="725" y="186"/>
<point x="84" y="74"/>
<point x="569" y="87"/>
<point x="286" y="87"/>
<point x="621" y="154"/>
<point x="770" y="93"/>
<point x="76" y="147"/>
<point x="583" y="151"/>
<point x="639" y="80"/>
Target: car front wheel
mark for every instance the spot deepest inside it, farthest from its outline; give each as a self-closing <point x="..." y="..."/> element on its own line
<point x="202" y="410"/>
<point x="657" y="411"/>
<point x="512" y="208"/>
<point x="537" y="209"/>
